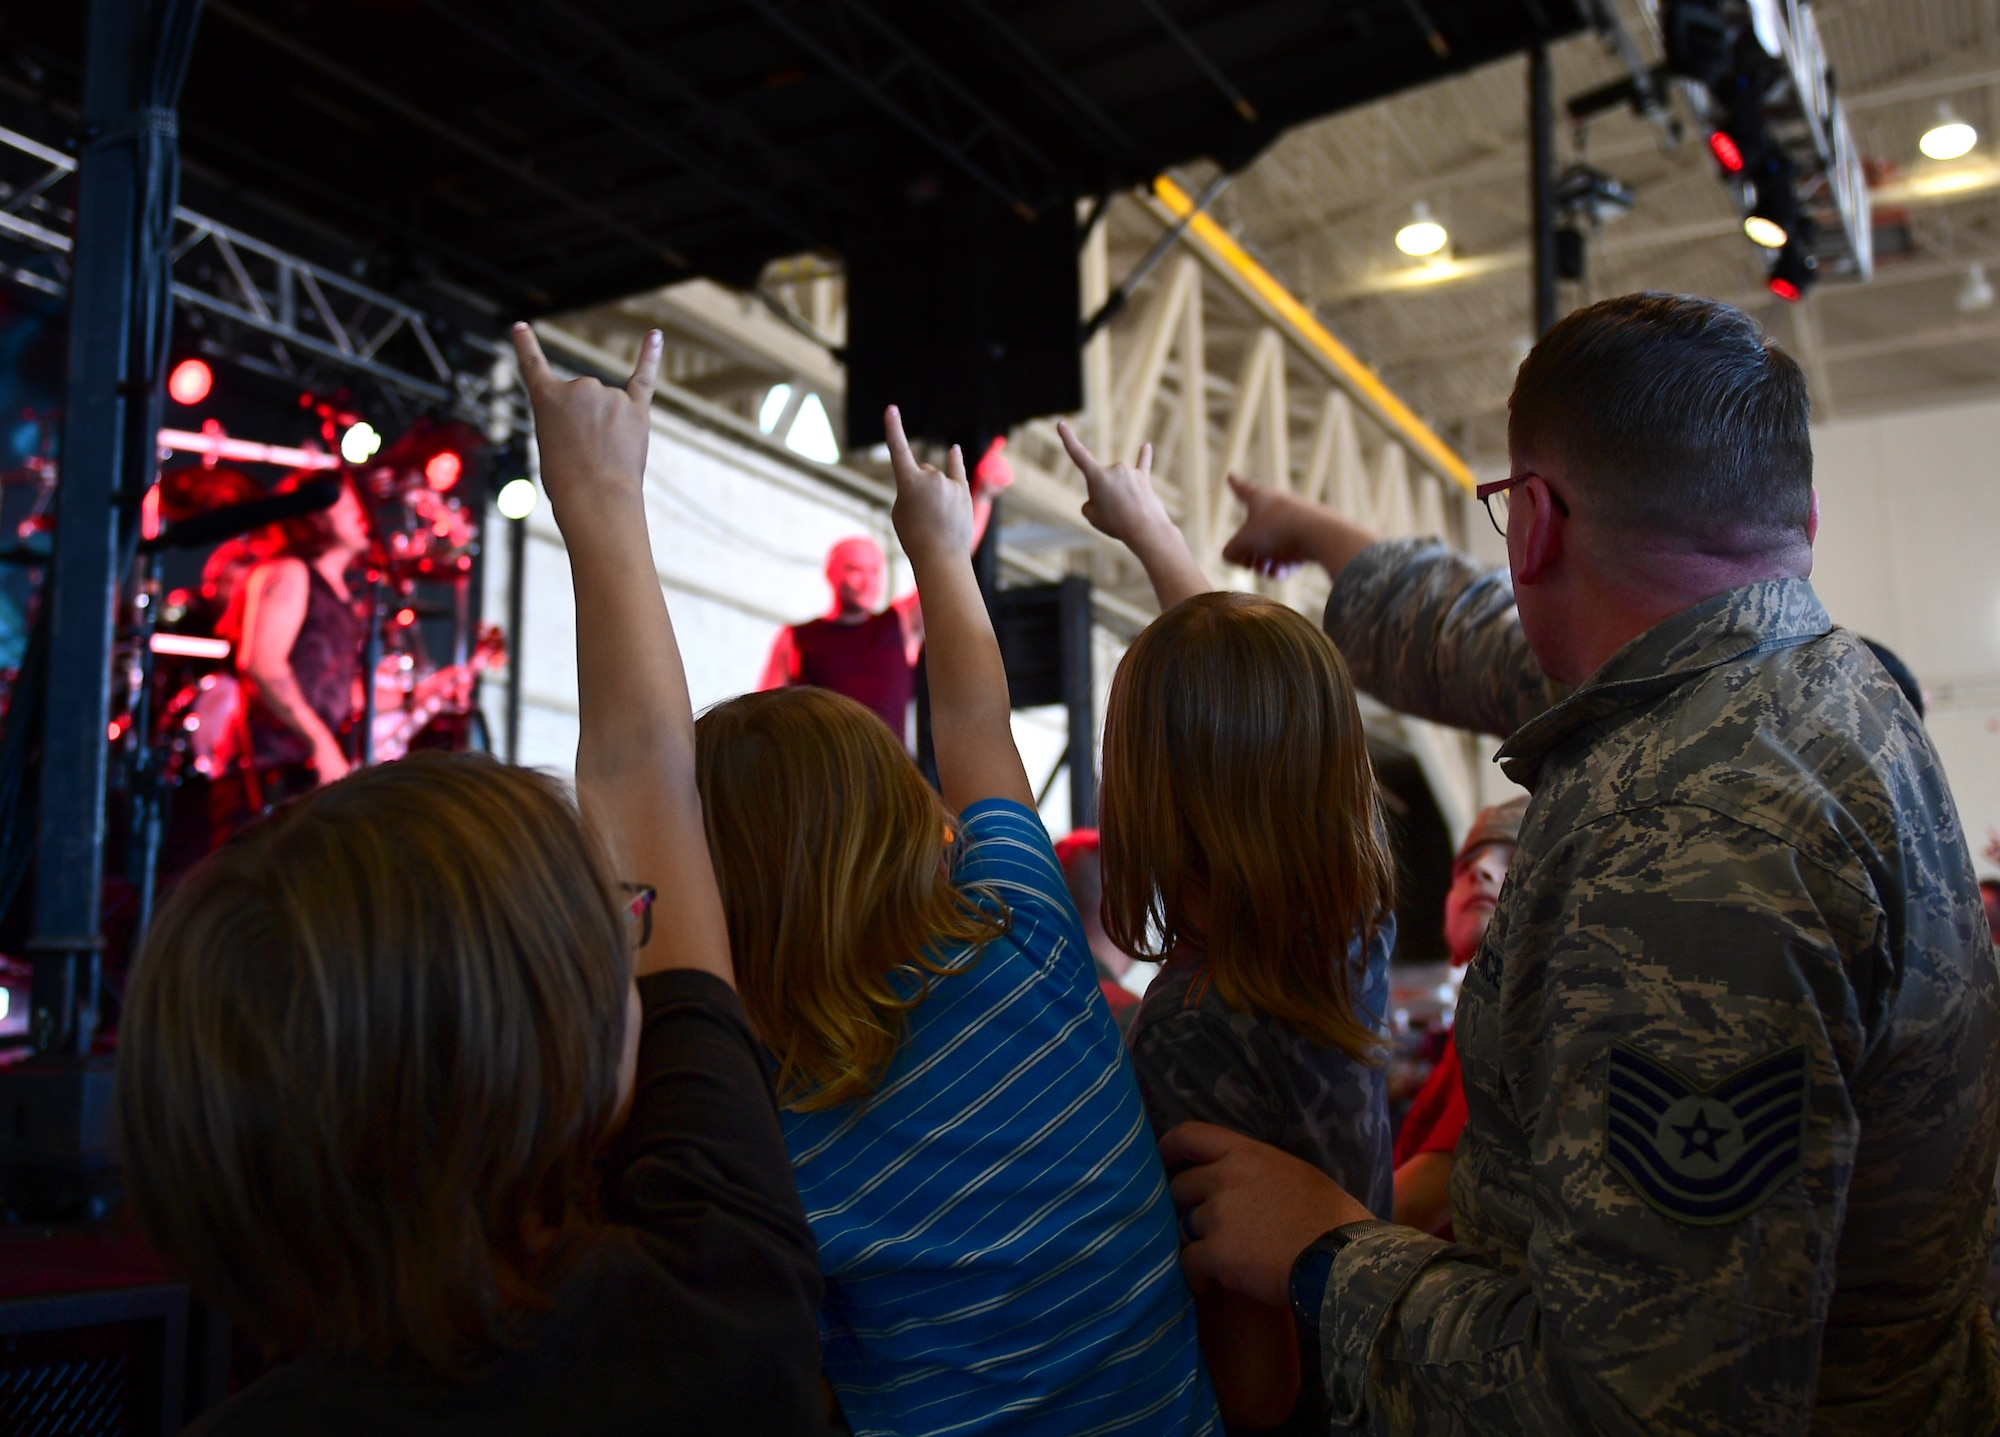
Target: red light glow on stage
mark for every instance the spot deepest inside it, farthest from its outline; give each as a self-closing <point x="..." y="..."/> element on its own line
<point x="1784" y="289"/>
<point x="190" y="382"/>
<point x="1725" y="151"/>
<point x="406" y="617"/>
<point x="442" y="469"/>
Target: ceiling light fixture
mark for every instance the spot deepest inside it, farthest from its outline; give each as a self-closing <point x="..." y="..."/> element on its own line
<point x="1423" y="236"/>
<point x="1766" y="232"/>
<point x="1949" y="138"/>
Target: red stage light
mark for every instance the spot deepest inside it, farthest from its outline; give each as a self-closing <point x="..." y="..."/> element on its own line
<point x="1725" y="151"/>
<point x="1784" y="289"/>
<point x="149" y="514"/>
<point x="190" y="382"/>
<point x="442" y="469"/>
<point x="406" y="617"/>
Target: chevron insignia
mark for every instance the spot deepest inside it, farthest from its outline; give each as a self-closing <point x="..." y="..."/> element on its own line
<point x="1705" y="1155"/>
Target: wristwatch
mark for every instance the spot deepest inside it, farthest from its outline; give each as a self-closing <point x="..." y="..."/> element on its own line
<point x="1311" y="1270"/>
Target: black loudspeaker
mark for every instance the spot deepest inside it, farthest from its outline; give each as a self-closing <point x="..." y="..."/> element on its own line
<point x="963" y="314"/>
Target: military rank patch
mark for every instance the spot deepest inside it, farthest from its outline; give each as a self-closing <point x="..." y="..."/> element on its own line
<point x="1705" y="1155"/>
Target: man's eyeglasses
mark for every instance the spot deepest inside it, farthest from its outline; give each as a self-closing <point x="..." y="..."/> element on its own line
<point x="1496" y="496"/>
<point x="640" y="907"/>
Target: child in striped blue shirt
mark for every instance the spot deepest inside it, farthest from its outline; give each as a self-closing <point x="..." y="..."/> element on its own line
<point x="993" y="1221"/>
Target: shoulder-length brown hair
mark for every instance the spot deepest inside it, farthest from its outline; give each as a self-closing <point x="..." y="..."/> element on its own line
<point x="832" y="855"/>
<point x="1239" y="811"/>
<point x="367" y="1054"/>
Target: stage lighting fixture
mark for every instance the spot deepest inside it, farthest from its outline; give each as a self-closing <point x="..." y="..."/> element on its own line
<point x="516" y="499"/>
<point x="1422" y="236"/>
<point x="1766" y="232"/>
<point x="190" y="382"/>
<point x="1949" y="138"/>
<point x="1726" y="151"/>
<point x="442" y="469"/>
<point x="359" y="443"/>
<point x="1793" y="273"/>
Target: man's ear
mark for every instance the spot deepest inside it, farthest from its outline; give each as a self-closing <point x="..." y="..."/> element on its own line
<point x="1538" y="527"/>
<point x="1812" y="519"/>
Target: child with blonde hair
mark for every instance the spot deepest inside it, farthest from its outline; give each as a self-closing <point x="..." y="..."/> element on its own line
<point x="992" y="1216"/>
<point x="1243" y="845"/>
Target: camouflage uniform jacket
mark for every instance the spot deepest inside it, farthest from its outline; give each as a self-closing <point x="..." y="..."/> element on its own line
<point x="1729" y="1047"/>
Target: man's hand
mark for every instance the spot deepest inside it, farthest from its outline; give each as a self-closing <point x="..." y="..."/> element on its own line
<point x="592" y="437"/>
<point x="1123" y="506"/>
<point x="1282" y="531"/>
<point x="1251" y="1209"/>
<point x="933" y="508"/>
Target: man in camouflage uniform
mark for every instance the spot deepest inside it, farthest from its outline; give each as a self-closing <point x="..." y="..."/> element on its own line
<point x="1730" y="1044"/>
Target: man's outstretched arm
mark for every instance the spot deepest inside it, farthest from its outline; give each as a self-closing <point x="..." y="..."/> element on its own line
<point x="1425" y="629"/>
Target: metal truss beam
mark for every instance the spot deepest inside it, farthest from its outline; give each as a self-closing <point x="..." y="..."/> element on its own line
<point x="299" y="304"/>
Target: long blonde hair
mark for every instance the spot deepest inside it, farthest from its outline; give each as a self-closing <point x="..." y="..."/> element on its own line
<point x="1240" y="813"/>
<point x="832" y="855"/>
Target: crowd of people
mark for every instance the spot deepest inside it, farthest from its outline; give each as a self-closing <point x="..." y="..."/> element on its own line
<point x="762" y="1086"/>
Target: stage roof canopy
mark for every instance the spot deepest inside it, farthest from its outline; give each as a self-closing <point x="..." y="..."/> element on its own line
<point x="551" y="153"/>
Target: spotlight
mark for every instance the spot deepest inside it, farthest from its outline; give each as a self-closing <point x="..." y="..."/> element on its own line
<point x="1726" y="151"/>
<point x="1949" y="138"/>
<point x="1793" y="273"/>
<point x="1766" y="232"/>
<point x="516" y="499"/>
<point x="1422" y="236"/>
<point x="1774" y="217"/>
<point x="442" y="469"/>
<point x="190" y="382"/>
<point x="359" y="443"/>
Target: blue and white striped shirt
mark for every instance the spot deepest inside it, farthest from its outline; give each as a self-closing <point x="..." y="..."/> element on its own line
<point x="999" y="1247"/>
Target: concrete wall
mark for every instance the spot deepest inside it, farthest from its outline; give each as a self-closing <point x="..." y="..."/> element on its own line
<point x="1909" y="555"/>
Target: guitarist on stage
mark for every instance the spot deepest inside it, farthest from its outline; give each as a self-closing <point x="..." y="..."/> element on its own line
<point x="298" y="635"/>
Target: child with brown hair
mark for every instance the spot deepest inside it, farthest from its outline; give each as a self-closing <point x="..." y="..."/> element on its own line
<point x="992" y="1216"/>
<point x="377" y="1055"/>
<point x="1243" y="845"/>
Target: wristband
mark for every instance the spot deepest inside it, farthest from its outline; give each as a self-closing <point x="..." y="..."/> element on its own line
<point x="1311" y="1271"/>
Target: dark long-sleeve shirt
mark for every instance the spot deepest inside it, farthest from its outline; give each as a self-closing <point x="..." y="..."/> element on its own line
<point x="694" y="1312"/>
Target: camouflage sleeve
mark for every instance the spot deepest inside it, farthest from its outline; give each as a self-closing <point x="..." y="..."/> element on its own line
<point x="1429" y="632"/>
<point x="1195" y="1067"/>
<point x="1676" y="1076"/>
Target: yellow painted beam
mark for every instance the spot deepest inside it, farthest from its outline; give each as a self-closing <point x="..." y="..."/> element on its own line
<point x="1210" y="236"/>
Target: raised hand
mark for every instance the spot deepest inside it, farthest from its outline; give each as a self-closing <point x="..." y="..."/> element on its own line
<point x="592" y="437"/>
<point x="933" y="508"/>
<point x="1282" y="531"/>
<point x="1123" y="506"/>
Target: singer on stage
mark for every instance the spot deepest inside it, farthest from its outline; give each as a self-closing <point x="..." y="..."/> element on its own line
<point x="858" y="648"/>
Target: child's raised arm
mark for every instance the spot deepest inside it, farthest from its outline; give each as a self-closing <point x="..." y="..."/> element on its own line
<point x="970" y="711"/>
<point x="1123" y="506"/>
<point x="635" y="756"/>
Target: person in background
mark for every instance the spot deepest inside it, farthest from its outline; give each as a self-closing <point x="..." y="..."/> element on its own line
<point x="1244" y="845"/>
<point x="1083" y="871"/>
<point x="858" y="647"/>
<point x="298" y="640"/>
<point x="422" y="1088"/>
<point x="1732" y="1045"/>
<point x="992" y="1216"/>
<point x="1430" y="1130"/>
